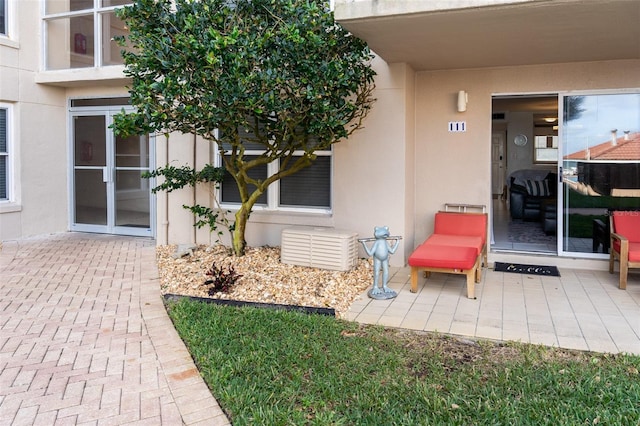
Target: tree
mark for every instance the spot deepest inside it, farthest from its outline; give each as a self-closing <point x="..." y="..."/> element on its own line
<point x="573" y="107"/>
<point x="279" y="73"/>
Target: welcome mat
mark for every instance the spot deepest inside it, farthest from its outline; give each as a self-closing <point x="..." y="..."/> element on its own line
<point x="519" y="268"/>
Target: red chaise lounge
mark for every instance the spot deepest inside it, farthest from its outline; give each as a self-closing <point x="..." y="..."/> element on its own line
<point x="458" y="245"/>
<point x="625" y="242"/>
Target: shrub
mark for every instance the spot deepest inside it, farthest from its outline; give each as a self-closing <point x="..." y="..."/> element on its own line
<point x="221" y="279"/>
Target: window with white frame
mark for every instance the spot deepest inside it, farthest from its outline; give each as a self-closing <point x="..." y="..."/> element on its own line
<point x="4" y="153"/>
<point x="308" y="189"/>
<point x="4" y="24"/>
<point x="80" y="33"/>
<point x="546" y="149"/>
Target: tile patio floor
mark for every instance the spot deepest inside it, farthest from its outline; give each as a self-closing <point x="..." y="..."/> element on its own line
<point x="582" y="309"/>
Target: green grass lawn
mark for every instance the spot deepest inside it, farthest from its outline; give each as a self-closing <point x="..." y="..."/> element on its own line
<point x="270" y="367"/>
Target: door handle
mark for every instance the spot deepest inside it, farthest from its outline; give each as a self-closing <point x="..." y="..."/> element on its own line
<point x="105" y="175"/>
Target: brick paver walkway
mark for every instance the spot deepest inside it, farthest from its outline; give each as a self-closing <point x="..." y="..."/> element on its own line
<point x="85" y="339"/>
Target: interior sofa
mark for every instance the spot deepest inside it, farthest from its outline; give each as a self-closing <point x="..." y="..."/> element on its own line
<point x="532" y="196"/>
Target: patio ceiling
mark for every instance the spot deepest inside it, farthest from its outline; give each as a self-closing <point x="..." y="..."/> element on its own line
<point x="531" y="32"/>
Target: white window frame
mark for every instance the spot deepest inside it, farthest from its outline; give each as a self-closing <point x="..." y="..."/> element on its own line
<point x="9" y="153"/>
<point x="273" y="191"/>
<point x="97" y="11"/>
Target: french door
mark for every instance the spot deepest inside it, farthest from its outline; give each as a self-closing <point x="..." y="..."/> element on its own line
<point x="109" y="194"/>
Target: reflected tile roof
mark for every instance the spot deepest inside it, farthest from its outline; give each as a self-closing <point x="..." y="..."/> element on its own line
<point x="626" y="148"/>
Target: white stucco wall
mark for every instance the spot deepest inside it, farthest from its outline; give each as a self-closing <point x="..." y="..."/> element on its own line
<point x="38" y="145"/>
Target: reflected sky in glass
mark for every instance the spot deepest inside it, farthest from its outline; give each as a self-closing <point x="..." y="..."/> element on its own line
<point x="602" y="114"/>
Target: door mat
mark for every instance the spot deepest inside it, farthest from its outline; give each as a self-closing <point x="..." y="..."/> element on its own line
<point x="519" y="268"/>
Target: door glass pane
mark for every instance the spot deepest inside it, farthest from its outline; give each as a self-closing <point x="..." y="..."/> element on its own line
<point x="132" y="193"/>
<point x="89" y="141"/>
<point x="90" y="159"/>
<point x="90" y="197"/>
<point x="132" y="151"/>
<point x="601" y="166"/>
<point x="132" y="199"/>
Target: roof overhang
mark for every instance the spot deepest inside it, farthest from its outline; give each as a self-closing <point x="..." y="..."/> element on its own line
<point x="458" y="34"/>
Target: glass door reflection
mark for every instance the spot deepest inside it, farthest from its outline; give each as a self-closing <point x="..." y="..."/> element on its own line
<point x="600" y="167"/>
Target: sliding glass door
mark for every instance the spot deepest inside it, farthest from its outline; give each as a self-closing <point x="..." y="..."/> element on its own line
<point x="600" y="167"/>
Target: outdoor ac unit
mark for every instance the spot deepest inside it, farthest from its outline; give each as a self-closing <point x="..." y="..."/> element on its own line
<point x="319" y="248"/>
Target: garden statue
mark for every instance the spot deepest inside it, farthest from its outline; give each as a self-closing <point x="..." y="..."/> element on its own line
<point x="380" y="251"/>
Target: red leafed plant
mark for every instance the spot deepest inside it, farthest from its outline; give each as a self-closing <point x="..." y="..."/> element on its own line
<point x="221" y="280"/>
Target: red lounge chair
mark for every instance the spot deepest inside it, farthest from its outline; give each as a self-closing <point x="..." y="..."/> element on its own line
<point x="625" y="242"/>
<point x="458" y="245"/>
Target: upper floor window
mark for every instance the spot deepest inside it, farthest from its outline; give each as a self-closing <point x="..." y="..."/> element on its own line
<point x="3" y="17"/>
<point x="4" y="153"/>
<point x="79" y="33"/>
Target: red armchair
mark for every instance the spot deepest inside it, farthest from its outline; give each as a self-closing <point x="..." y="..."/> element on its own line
<point x="625" y="242"/>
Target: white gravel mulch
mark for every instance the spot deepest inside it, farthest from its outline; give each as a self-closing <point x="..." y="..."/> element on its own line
<point x="264" y="278"/>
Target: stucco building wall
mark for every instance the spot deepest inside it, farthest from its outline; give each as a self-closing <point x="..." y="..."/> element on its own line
<point x="455" y="167"/>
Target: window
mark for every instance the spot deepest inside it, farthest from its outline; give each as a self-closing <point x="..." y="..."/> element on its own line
<point x="79" y="33"/>
<point x="3" y="17"/>
<point x="546" y="149"/>
<point x="308" y="189"/>
<point x="545" y="140"/>
<point x="4" y="153"/>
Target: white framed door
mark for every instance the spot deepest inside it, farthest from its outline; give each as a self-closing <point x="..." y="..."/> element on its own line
<point x="497" y="163"/>
<point x="109" y="194"/>
<point x="600" y="167"/>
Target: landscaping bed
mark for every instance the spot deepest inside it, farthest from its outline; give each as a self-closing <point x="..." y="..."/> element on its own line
<point x="263" y="278"/>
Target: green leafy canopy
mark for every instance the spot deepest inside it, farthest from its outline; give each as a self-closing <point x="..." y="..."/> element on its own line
<point x="279" y="74"/>
<point x="198" y="66"/>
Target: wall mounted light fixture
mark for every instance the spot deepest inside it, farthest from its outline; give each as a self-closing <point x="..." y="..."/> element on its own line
<point x="463" y="98"/>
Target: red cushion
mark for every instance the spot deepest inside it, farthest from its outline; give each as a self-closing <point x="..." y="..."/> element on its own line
<point x="436" y="256"/>
<point x="456" y="240"/>
<point x="634" y="250"/>
<point x="452" y="223"/>
<point x="627" y="224"/>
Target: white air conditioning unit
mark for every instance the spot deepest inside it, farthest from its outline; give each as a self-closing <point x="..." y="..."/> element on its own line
<point x="319" y="248"/>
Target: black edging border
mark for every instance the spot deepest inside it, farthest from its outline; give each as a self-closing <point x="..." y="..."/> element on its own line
<point x="239" y="303"/>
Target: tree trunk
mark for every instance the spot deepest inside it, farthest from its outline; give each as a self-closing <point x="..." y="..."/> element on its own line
<point x="238" y="244"/>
